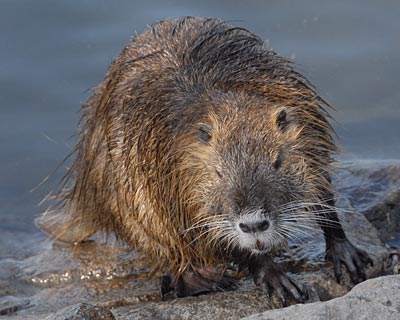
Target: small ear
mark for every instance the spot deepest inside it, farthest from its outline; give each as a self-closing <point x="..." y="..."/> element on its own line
<point x="204" y="132"/>
<point x="282" y="120"/>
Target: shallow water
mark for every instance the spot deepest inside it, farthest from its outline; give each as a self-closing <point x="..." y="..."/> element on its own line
<point x="53" y="52"/>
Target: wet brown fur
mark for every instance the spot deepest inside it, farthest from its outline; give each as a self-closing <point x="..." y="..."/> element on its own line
<point x="141" y="171"/>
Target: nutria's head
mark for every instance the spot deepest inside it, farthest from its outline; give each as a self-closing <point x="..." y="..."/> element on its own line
<point x="254" y="175"/>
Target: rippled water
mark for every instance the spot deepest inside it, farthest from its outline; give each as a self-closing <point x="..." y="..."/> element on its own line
<point x="53" y="52"/>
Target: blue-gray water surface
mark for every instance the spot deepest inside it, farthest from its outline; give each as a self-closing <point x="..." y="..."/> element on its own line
<point x="53" y="52"/>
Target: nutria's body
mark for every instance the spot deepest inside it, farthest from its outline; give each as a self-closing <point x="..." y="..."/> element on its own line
<point x="200" y="144"/>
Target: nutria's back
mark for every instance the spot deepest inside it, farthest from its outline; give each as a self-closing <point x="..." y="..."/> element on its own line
<point x="196" y="121"/>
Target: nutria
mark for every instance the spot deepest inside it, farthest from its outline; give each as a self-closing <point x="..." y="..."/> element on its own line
<point x="203" y="147"/>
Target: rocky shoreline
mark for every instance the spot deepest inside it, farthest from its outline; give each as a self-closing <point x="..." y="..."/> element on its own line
<point x="370" y="197"/>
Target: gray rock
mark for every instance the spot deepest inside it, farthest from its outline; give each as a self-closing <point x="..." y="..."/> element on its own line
<point x="226" y="305"/>
<point x="373" y="299"/>
<point x="9" y="305"/>
<point x="82" y="311"/>
<point x="373" y="189"/>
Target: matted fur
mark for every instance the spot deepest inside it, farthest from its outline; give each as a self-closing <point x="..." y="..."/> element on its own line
<point x="141" y="170"/>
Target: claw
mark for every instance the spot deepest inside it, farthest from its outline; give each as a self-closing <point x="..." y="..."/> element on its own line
<point x="281" y="293"/>
<point x="293" y="288"/>
<point x="338" y="270"/>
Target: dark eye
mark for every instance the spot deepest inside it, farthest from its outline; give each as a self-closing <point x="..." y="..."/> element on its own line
<point x="218" y="174"/>
<point x="204" y="132"/>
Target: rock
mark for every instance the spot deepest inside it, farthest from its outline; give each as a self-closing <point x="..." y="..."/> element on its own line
<point x="225" y="305"/>
<point x="373" y="299"/>
<point x="9" y="305"/>
<point x="82" y="311"/>
<point x="373" y="188"/>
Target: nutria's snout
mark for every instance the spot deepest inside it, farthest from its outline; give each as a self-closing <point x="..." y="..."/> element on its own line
<point x="257" y="231"/>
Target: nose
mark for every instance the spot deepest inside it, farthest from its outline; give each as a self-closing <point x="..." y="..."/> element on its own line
<point x="254" y="227"/>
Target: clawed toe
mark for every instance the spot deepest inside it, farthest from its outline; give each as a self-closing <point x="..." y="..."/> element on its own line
<point x="284" y="287"/>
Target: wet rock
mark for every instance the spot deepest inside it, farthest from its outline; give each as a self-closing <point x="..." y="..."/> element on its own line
<point x="9" y="305"/>
<point x="373" y="299"/>
<point x="373" y="188"/>
<point x="226" y="305"/>
<point x="82" y="311"/>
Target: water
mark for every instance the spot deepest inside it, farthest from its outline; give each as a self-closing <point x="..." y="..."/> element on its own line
<point x="53" y="52"/>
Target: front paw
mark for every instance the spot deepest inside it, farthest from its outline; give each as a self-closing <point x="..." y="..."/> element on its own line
<point x="192" y="283"/>
<point x="356" y="260"/>
<point x="269" y="278"/>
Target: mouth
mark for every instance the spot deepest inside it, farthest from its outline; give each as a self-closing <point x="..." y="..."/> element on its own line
<point x="260" y="243"/>
<point x="260" y="247"/>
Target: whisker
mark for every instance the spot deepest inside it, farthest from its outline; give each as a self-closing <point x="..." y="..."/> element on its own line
<point x="203" y="223"/>
<point x="295" y="229"/>
<point x="320" y="222"/>
<point x="200" y="235"/>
